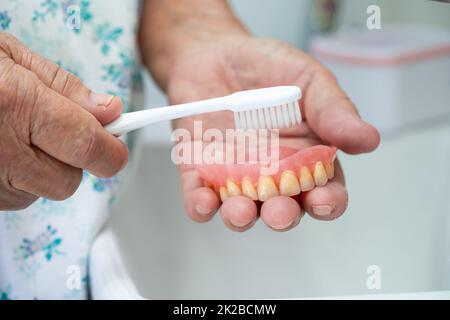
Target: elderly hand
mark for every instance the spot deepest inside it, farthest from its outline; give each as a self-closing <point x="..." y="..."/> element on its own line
<point x="50" y="129"/>
<point x="235" y="63"/>
<point x="198" y="49"/>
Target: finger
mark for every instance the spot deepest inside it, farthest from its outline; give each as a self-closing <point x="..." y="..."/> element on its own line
<point x="70" y="134"/>
<point x="14" y="200"/>
<point x="281" y="213"/>
<point x="104" y="107"/>
<point x="328" y="202"/>
<point x="333" y="117"/>
<point x="200" y="203"/>
<point x="239" y="213"/>
<point x="38" y="174"/>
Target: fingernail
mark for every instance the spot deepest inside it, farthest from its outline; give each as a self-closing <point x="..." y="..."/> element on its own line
<point x="101" y="99"/>
<point x="283" y="226"/>
<point x="202" y="211"/>
<point x="323" y="210"/>
<point x="239" y="224"/>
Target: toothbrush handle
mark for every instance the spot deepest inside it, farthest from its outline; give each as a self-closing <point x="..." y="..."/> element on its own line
<point x="135" y="120"/>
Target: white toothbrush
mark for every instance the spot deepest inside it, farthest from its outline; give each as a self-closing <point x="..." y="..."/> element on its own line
<point x="269" y="108"/>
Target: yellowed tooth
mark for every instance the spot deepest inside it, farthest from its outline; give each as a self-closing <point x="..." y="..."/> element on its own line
<point x="329" y="168"/>
<point x="266" y="188"/>
<point x="233" y="189"/>
<point x="289" y="185"/>
<point x="320" y="175"/>
<point x="223" y="194"/>
<point x="248" y="189"/>
<point x="306" y="179"/>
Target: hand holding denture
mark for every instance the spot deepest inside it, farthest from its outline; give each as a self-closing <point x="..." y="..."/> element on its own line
<point x="309" y="178"/>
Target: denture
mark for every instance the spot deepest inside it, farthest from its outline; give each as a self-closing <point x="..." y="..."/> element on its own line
<point x="298" y="171"/>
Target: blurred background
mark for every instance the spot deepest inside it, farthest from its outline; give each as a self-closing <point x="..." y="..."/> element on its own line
<point x="399" y="214"/>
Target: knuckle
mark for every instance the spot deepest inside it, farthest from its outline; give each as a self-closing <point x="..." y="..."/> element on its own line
<point x="65" y="82"/>
<point x="14" y="49"/>
<point x="19" y="93"/>
<point x="7" y="40"/>
<point x="95" y="153"/>
<point x="35" y="108"/>
<point x="15" y="202"/>
<point x="7" y="81"/>
<point x="119" y="164"/>
<point x="87" y="147"/>
<point x="326" y="73"/>
<point x="24" y="203"/>
<point x="68" y="185"/>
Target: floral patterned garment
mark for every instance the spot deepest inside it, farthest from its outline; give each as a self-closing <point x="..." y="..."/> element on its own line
<point x="43" y="247"/>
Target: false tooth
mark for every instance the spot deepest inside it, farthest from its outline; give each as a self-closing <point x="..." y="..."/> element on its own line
<point x="306" y="179"/>
<point x="289" y="185"/>
<point x="320" y="175"/>
<point x="223" y="194"/>
<point x="329" y="168"/>
<point x="248" y="189"/>
<point x="266" y="188"/>
<point x="233" y="189"/>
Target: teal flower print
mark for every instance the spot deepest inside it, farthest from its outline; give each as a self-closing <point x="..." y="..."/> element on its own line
<point x="100" y="184"/>
<point x="47" y="243"/>
<point x="105" y="35"/>
<point x="45" y="209"/>
<point x="5" y="294"/>
<point x="5" y="20"/>
<point x="120" y="73"/>
<point x="12" y="220"/>
<point x="30" y="268"/>
<point x="49" y="8"/>
<point x="86" y="15"/>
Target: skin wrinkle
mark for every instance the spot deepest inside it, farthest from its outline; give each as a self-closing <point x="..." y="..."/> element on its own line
<point x="15" y="103"/>
<point x="20" y="54"/>
<point x="25" y="57"/>
<point x="4" y="74"/>
<point x="68" y="178"/>
<point x="5" y="43"/>
<point x="34" y="122"/>
<point x="55" y="75"/>
<point x="13" y="172"/>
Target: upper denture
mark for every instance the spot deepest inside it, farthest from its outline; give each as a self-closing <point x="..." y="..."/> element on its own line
<point x="298" y="171"/>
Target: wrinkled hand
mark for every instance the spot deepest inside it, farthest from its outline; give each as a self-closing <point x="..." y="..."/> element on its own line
<point x="50" y="129"/>
<point x="240" y="63"/>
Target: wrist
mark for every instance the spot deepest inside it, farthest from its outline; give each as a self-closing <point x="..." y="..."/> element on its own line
<point x="175" y="29"/>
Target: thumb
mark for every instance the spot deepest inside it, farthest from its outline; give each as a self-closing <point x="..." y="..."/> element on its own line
<point x="104" y="107"/>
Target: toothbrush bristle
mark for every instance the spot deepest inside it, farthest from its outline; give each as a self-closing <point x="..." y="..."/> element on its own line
<point x="277" y="117"/>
